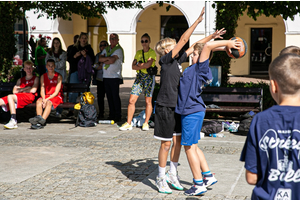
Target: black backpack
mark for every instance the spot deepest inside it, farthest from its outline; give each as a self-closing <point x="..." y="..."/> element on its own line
<point x="87" y="116"/>
<point x="245" y="121"/>
<point x="209" y="127"/>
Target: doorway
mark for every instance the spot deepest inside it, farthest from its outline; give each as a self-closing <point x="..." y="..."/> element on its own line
<point x="261" y="50"/>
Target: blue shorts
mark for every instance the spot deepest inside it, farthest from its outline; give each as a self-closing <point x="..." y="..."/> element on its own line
<point x="191" y="127"/>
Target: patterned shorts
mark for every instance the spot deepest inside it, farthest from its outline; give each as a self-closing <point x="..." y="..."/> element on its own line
<point x="143" y="82"/>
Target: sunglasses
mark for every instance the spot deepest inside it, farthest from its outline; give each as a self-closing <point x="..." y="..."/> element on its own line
<point x="144" y="41"/>
<point x="103" y="45"/>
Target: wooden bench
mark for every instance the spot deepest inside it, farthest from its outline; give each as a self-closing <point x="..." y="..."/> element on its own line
<point x="67" y="88"/>
<point x="233" y="99"/>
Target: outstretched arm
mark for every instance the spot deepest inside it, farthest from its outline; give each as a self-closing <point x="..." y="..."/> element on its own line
<point x="186" y="35"/>
<point x="216" y="34"/>
<point x="214" y="44"/>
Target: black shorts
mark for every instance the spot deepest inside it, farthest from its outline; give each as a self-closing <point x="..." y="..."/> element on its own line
<point x="166" y="123"/>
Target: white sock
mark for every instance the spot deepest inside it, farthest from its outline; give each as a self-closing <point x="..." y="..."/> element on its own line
<point x="173" y="167"/>
<point x="161" y="171"/>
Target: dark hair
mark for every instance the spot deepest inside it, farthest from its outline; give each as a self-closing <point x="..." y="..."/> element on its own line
<point x="50" y="60"/>
<point x="51" y="51"/>
<point x="103" y="41"/>
<point x="146" y="35"/>
<point x="75" y="38"/>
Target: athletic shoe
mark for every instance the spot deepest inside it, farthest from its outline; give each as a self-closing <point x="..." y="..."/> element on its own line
<point x="196" y="190"/>
<point x="173" y="179"/>
<point x="145" y="127"/>
<point x="12" y="124"/>
<point x="209" y="180"/>
<point x="37" y="126"/>
<point x="35" y="120"/>
<point x="125" y="127"/>
<point x="162" y="185"/>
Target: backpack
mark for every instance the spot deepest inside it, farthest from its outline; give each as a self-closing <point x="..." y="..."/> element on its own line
<point x="87" y="115"/>
<point x="209" y="127"/>
<point x="245" y="121"/>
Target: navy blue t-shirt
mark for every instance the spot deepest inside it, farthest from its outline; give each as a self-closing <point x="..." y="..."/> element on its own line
<point x="169" y="79"/>
<point x="191" y="82"/>
<point x="272" y="151"/>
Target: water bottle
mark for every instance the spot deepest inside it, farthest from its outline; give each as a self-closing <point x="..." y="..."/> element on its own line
<point x="216" y="135"/>
<point x="106" y="122"/>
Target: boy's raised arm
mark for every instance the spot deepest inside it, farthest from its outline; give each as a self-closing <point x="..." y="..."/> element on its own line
<point x="215" y="44"/>
<point x="186" y="35"/>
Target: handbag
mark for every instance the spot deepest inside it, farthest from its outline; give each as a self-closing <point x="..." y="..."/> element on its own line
<point x="151" y="70"/>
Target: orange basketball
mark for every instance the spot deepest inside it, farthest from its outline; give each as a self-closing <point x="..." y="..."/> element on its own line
<point x="237" y="53"/>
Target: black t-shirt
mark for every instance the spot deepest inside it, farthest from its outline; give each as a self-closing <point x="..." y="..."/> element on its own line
<point x="169" y="79"/>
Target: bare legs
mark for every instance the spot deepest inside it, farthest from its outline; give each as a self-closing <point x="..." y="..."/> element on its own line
<point x="131" y="108"/>
<point x="47" y="109"/>
<point x="163" y="153"/>
<point x="12" y="99"/>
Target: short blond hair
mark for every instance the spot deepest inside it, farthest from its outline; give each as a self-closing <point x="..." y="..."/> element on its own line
<point x="285" y="70"/>
<point x="164" y="44"/>
<point x="29" y="62"/>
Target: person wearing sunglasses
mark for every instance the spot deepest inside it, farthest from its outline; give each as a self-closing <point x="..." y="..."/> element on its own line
<point x="99" y="79"/>
<point x="143" y="59"/>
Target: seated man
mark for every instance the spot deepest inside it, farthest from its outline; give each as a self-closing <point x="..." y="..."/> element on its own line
<point x="24" y="93"/>
<point x="51" y="95"/>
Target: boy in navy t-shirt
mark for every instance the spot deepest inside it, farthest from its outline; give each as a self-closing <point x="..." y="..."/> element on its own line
<point x="272" y="149"/>
<point x="192" y="110"/>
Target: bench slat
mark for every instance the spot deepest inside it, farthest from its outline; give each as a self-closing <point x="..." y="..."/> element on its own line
<point x="231" y="90"/>
<point x="233" y="109"/>
<point x="228" y="98"/>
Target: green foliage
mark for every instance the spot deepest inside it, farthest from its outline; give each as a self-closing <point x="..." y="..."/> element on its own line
<point x="14" y="73"/>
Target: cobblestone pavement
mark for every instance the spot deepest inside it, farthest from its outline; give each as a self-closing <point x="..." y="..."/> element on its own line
<point x="101" y="162"/>
<point x="115" y="167"/>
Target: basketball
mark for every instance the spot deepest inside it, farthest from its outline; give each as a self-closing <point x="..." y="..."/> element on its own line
<point x="237" y="53"/>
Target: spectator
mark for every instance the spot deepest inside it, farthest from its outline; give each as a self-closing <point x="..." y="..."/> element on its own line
<point x="51" y="95"/>
<point x="40" y="55"/>
<point x="24" y="93"/>
<point x="99" y="79"/>
<point x="143" y="59"/>
<point x="75" y="38"/>
<point x="112" y="58"/>
<point x="57" y="54"/>
<point x="81" y="50"/>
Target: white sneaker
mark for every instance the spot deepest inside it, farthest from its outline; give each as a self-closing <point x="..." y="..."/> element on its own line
<point x="125" y="127"/>
<point x="162" y="185"/>
<point x="173" y="179"/>
<point x="208" y="181"/>
<point x="12" y="124"/>
<point x="196" y="190"/>
<point x="145" y="127"/>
